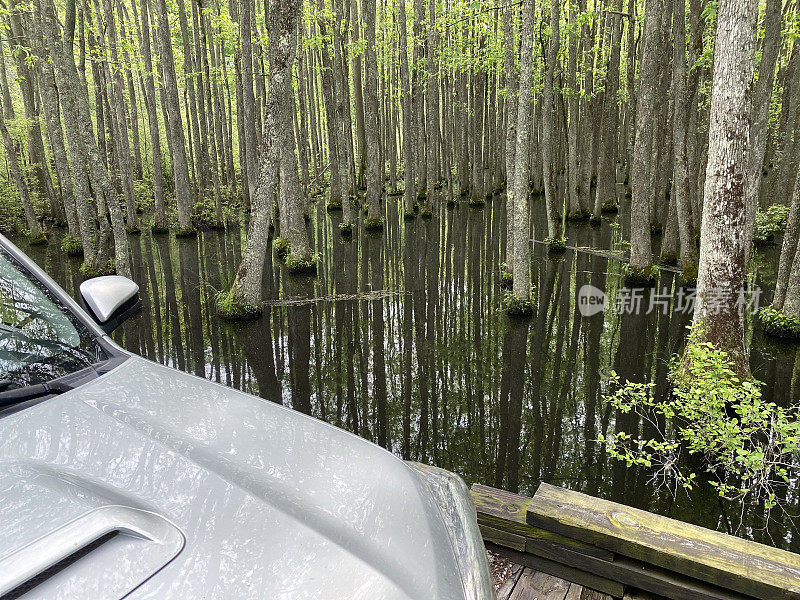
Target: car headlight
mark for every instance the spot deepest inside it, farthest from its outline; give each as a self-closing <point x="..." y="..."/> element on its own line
<point x="460" y="517"/>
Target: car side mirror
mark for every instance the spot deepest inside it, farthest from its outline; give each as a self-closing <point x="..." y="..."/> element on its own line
<point x="110" y="300"/>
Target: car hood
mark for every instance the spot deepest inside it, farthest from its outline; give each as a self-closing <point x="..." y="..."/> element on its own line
<point x="253" y="500"/>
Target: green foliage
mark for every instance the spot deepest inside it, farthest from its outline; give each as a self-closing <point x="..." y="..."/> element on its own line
<point x="746" y="447"/>
<point x="610" y="207"/>
<point x="346" y="229"/>
<point x="72" y="246"/>
<point x="334" y="204"/>
<point x="373" y="224"/>
<point x="12" y="219"/>
<point x="556" y="245"/>
<point x="506" y="277"/>
<point x="516" y="306"/>
<point x="769" y="222"/>
<point x="639" y="277"/>
<point x="281" y="246"/>
<point x="297" y="265"/>
<point x="779" y="325"/>
<point x="38" y="239"/>
<point x="233" y="309"/>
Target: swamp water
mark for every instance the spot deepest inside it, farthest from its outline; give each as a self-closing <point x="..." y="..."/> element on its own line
<point x="401" y="339"/>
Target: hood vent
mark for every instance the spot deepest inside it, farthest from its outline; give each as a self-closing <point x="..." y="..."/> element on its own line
<point x="81" y="559"/>
<point x="28" y="585"/>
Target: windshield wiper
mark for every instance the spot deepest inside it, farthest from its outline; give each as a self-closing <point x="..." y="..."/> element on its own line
<point x="30" y="392"/>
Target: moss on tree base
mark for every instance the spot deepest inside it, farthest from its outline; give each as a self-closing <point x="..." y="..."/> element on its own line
<point x="409" y="216"/>
<point x="159" y="229"/>
<point x="334" y="205"/>
<point x="134" y="230"/>
<point x="595" y="220"/>
<point x="634" y="277"/>
<point x="580" y="215"/>
<point x="426" y="213"/>
<point x="108" y="268"/>
<point x="517" y="307"/>
<point x="476" y="202"/>
<point x="451" y="202"/>
<point x="297" y="265"/>
<point x="373" y="224"/>
<point x="346" y="229"/>
<point x="689" y="274"/>
<point x="184" y="232"/>
<point x="779" y="325"/>
<point x="235" y="310"/>
<point x="37" y="240"/>
<point x="281" y="246"/>
<point x="72" y="246"/>
<point x="556" y="246"/>
<point x="669" y="259"/>
<point x="610" y="207"/>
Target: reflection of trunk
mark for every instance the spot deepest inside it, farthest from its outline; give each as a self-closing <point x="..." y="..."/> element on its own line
<point x="171" y="304"/>
<point x="299" y="318"/>
<point x="514" y="358"/>
<point x="190" y="294"/>
<point x="379" y="357"/>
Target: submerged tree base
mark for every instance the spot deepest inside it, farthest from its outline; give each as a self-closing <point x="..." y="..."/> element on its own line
<point x="72" y="246"/>
<point x="409" y="216"/>
<point x="426" y="213"/>
<point x="517" y="307"/>
<point x="108" y="268"/>
<point x="669" y="259"/>
<point x="645" y="277"/>
<point x="346" y="229"/>
<point x="779" y="325"/>
<point x="579" y="215"/>
<point x="334" y="205"/>
<point x="297" y="265"/>
<point x="556" y="245"/>
<point x="134" y="230"/>
<point x="476" y="202"/>
<point x="610" y="207"/>
<point x="182" y="232"/>
<point x="373" y="224"/>
<point x="281" y="246"/>
<point x="159" y="229"/>
<point x="37" y="240"/>
<point x="689" y="274"/>
<point x="231" y="309"/>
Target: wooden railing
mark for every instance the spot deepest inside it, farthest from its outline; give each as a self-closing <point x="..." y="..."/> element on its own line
<point x="610" y="547"/>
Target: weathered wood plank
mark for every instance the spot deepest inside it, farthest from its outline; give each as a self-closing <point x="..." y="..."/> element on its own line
<point x="502" y="538"/>
<point x="524" y="589"/>
<point x="574" y="592"/>
<point x="504" y="591"/>
<point x="506" y="511"/>
<point x="557" y="569"/>
<point x="550" y="588"/>
<point x="726" y="561"/>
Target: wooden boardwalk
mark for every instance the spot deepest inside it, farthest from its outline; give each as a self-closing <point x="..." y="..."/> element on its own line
<point x="529" y="584"/>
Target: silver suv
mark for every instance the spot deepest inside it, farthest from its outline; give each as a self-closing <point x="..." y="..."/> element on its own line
<point x="120" y="477"/>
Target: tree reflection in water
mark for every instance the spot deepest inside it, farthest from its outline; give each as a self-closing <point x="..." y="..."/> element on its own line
<point x="435" y="371"/>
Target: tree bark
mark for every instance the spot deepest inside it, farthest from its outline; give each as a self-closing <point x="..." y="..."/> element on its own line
<point x="721" y="277"/>
<point x="374" y="170"/>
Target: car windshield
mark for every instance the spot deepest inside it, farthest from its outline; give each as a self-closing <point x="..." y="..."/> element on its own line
<point x="40" y="339"/>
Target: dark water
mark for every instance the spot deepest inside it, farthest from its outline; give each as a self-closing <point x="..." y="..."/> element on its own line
<point x="415" y="353"/>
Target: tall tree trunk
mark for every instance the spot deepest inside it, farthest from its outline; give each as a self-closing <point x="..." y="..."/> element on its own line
<point x="522" y="251"/>
<point x="549" y="122"/>
<point x="180" y="167"/>
<point x="718" y="315"/>
<point x="374" y="169"/>
<point x="408" y="115"/>
<point x="641" y="247"/>
<point x="512" y="103"/>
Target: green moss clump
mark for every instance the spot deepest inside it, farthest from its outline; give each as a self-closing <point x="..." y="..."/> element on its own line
<point x="108" y="268"/>
<point x="579" y="215"/>
<point x="670" y="259"/>
<point x="517" y="307"/>
<point x="595" y="220"/>
<point x="645" y="277"/>
<point x="779" y="325"/>
<point x="158" y="229"/>
<point x="373" y="224"/>
<point x="235" y="310"/>
<point x="334" y="204"/>
<point x="451" y="202"/>
<point x="72" y="246"/>
<point x="556" y="245"/>
<point x="476" y="202"/>
<point x="506" y="278"/>
<point x="346" y="229"/>
<point x="409" y="216"/>
<point x="133" y="230"/>
<point x="37" y="240"/>
<point x="281" y="246"/>
<point x="426" y="213"/>
<point x="183" y="232"/>
<point x="610" y="207"/>
<point x="689" y="274"/>
<point x="422" y="195"/>
<point x="297" y="265"/>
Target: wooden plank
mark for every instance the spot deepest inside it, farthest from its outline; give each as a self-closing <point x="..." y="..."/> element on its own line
<point x="550" y="588"/>
<point x="506" y="511"/>
<point x="574" y="592"/>
<point x="575" y="575"/>
<point x="524" y="589"/>
<point x="632" y="573"/>
<point x="726" y="561"/>
<point x="502" y="538"/>
<point x="504" y="591"/>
